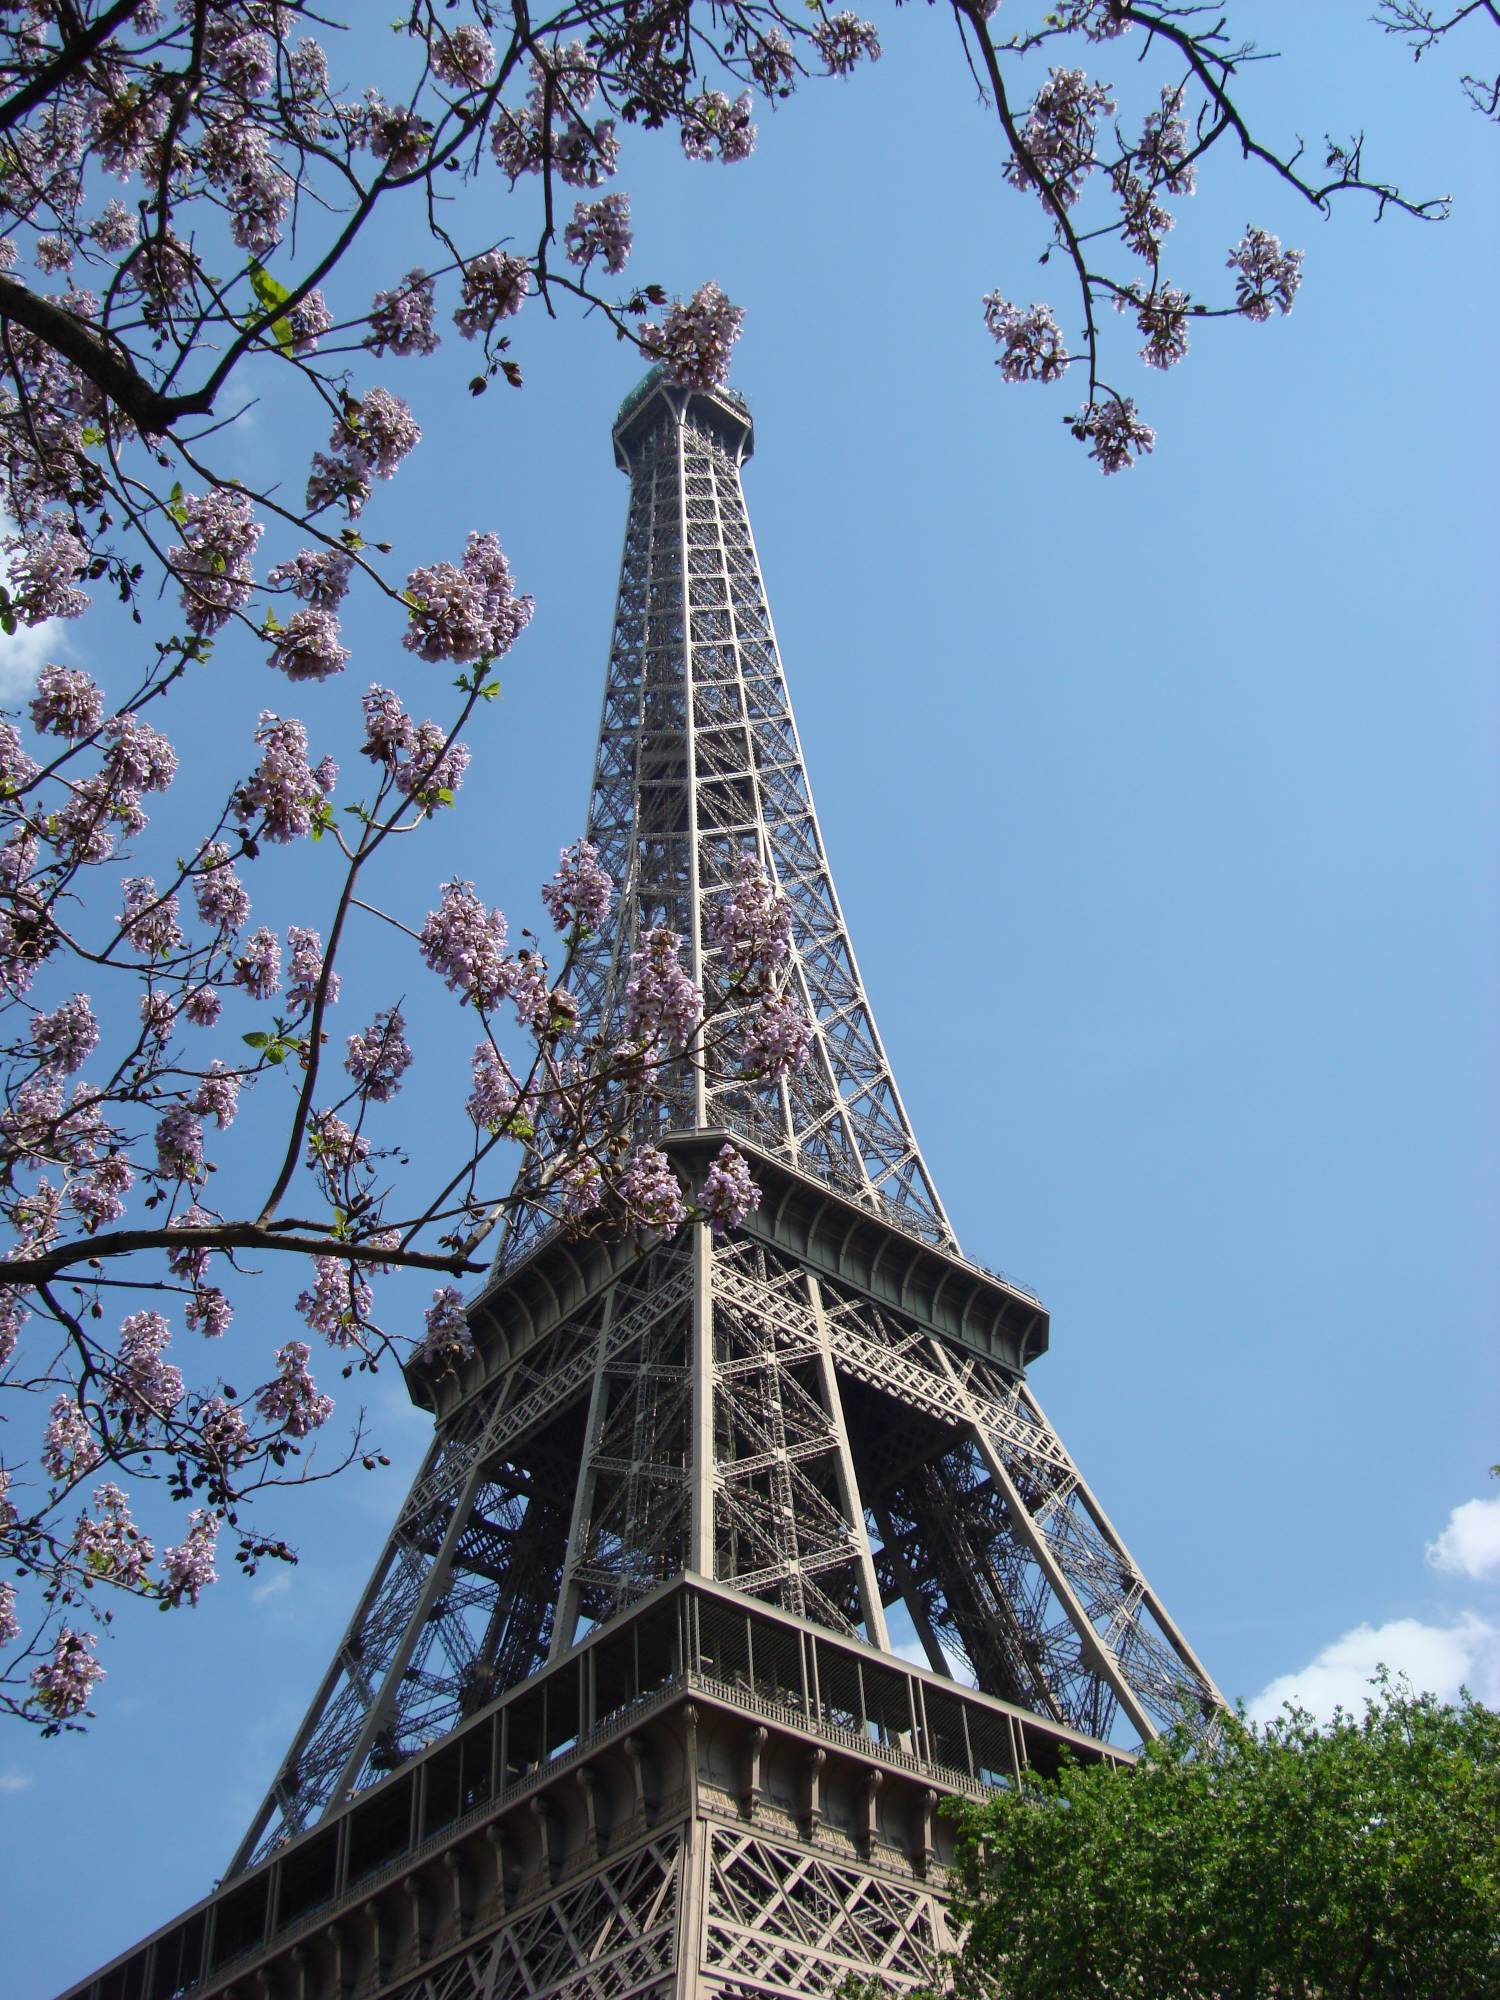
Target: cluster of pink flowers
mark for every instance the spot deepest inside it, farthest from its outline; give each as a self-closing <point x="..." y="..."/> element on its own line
<point x="69" y="1447"/>
<point x="142" y="1386"/>
<point x="66" y="1038"/>
<point x="109" y="1545"/>
<point x="495" y="1099"/>
<point x="652" y="1193"/>
<point x="1268" y="275"/>
<point x="1034" y="349"/>
<point x="291" y="1400"/>
<point x="380" y="1057"/>
<point x="306" y="969"/>
<point x="1164" y="148"/>
<point x="44" y="564"/>
<point x="1059" y="135"/>
<point x="494" y="288"/>
<point x="447" y="1341"/>
<point x="662" y="1004"/>
<point x="258" y="967"/>
<point x="307" y="647"/>
<point x="462" y="57"/>
<point x="222" y="898"/>
<point x="282" y="793"/>
<point x="694" y="341"/>
<point x="218" y="1095"/>
<point x="468" y="613"/>
<point x="337" y="1303"/>
<point x="189" y="1568"/>
<point x="1113" y="433"/>
<point x="1163" y="319"/>
<point x="776" y="1038"/>
<point x="728" y="1194"/>
<point x="367" y="442"/>
<point x="465" y="943"/>
<point x="320" y="577"/>
<point x="66" y="703"/>
<point x="712" y="126"/>
<point x="179" y="1145"/>
<point x="843" y="39"/>
<point x="64" y="1683"/>
<point x="149" y="921"/>
<point x="600" y="229"/>
<point x="219" y="536"/>
<point x="401" y="320"/>
<point x="580" y="892"/>
<point x="751" y="925"/>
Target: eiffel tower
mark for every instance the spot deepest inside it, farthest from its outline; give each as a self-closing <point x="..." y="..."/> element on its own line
<point x="619" y="1712"/>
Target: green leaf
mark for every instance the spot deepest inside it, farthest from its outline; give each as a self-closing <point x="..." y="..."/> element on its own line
<point x="269" y="294"/>
<point x="255" y="1041"/>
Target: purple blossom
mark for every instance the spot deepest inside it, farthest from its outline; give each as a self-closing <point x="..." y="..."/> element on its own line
<point x="64" y="1683"/>
<point x="157" y="1014"/>
<point x="462" y="57"/>
<point x="145" y="1385"/>
<point x="179" y="1145"/>
<point x="282" y="793"/>
<point x="580" y="1190"/>
<point x="43" y="565"/>
<point x="579" y="893"/>
<point x="332" y="1147"/>
<point x="379" y="1057"/>
<point x="16" y="769"/>
<point x="66" y="703"/>
<point x="447" y="1341"/>
<point x="712" y="124"/>
<point x="600" y="229"/>
<point x="843" y="40"/>
<point x="651" y="1192"/>
<point x="69" y="1447"/>
<point x="434" y="770"/>
<point x="109" y="1545"/>
<point x="1163" y="319"/>
<point x="10" y="1624"/>
<point x="320" y="577"/>
<point x="202" y="1007"/>
<point x="397" y="136"/>
<point x="66" y="1038"/>
<point x="376" y="432"/>
<point x="752" y="925"/>
<point x="1033" y="342"/>
<point x="14" y="1314"/>
<point x="493" y="1101"/>
<point x="469" y="613"/>
<point x="694" y="341"/>
<point x="307" y="647"/>
<point x="728" y="1194"/>
<point x="114" y="228"/>
<point x="338" y="1303"/>
<point x="219" y="537"/>
<point x="661" y="1001"/>
<point x="585" y="155"/>
<point x="258" y="967"/>
<point x="291" y="1399"/>
<point x="97" y="1195"/>
<point x="236" y="156"/>
<point x="494" y="288"/>
<point x="401" y="320"/>
<point x="1268" y="275"/>
<point x="777" y="1038"/>
<point x="191" y="1261"/>
<point x="208" y="1312"/>
<point x="222" y="898"/>
<point x="189" y="1568"/>
<point x="306" y="947"/>
<point x="465" y="943"/>
<point x="1113" y="432"/>
<point x="309" y="320"/>
<point x="1059" y="136"/>
<point x="218" y="1095"/>
<point x="139" y="758"/>
<point x="389" y="730"/>
<point x="1163" y="151"/>
<point x="149" y="921"/>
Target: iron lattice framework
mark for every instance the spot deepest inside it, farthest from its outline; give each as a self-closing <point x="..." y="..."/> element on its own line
<point x="619" y="1712"/>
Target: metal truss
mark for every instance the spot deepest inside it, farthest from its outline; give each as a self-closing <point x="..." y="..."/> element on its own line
<point x="698" y="764"/>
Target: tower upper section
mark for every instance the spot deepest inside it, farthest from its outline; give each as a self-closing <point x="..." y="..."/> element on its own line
<point x="698" y="765"/>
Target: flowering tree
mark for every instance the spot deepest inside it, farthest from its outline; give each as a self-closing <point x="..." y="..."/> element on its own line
<point x="181" y="184"/>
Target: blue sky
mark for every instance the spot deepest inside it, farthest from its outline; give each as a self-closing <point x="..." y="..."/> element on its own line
<point x="1162" y="810"/>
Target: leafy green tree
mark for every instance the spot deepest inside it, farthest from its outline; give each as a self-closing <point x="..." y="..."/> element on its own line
<point x="1308" y="1862"/>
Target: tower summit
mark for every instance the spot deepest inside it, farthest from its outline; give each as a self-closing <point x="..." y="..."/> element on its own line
<point x="619" y="1712"/>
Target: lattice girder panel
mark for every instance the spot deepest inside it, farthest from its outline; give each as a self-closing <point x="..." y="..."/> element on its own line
<point x="699" y="764"/>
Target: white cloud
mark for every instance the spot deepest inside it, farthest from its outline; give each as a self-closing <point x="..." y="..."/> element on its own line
<point x="1436" y="1659"/>
<point x="275" y="1585"/>
<point x="14" y="1781"/>
<point x="24" y="653"/>
<point x="1470" y="1544"/>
